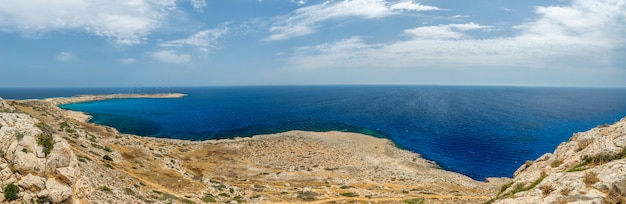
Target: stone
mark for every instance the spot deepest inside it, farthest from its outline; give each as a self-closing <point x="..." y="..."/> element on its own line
<point x="59" y="157"/>
<point x="58" y="191"/>
<point x="32" y="183"/>
<point x="82" y="188"/>
<point x="66" y="174"/>
<point x="27" y="162"/>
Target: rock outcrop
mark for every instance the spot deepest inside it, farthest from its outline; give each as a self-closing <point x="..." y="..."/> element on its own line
<point x="589" y="168"/>
<point x="26" y="162"/>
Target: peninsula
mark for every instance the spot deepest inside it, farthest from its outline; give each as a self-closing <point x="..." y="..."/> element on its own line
<point x="51" y="154"/>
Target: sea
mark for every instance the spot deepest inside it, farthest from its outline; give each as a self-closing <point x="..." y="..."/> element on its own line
<point x="478" y="131"/>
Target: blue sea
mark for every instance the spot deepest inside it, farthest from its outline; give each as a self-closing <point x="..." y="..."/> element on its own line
<point x="477" y="131"/>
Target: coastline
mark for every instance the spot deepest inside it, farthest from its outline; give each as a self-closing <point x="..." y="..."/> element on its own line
<point x="293" y="166"/>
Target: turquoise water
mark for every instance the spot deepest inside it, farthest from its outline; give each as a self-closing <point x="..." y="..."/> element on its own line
<point x="477" y="131"/>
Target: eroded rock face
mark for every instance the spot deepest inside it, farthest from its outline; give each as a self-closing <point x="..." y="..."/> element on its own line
<point x="562" y="181"/>
<point x="23" y="162"/>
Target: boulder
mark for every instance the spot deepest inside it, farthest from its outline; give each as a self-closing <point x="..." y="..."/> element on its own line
<point x="57" y="190"/>
<point x="59" y="157"/>
<point x="32" y="183"/>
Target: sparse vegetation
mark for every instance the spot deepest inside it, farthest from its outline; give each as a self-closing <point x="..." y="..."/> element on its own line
<point x="45" y="128"/>
<point x="107" y="165"/>
<point x="129" y="191"/>
<point x="107" y="157"/>
<point x="44" y="200"/>
<point x="45" y="140"/>
<point x="107" y="149"/>
<point x="11" y="192"/>
<point x="598" y="159"/>
<point x="582" y="144"/>
<point x="565" y="191"/>
<point x="105" y="189"/>
<point x="547" y="189"/>
<point x="614" y="197"/>
<point x="414" y="201"/>
<point x="528" y="163"/>
<point x="590" y="178"/>
<point x="350" y="194"/>
<point x="506" y="186"/>
<point x="19" y="136"/>
<point x="307" y="195"/>
<point x="556" y="163"/>
<point x="520" y="187"/>
<point x="208" y="198"/>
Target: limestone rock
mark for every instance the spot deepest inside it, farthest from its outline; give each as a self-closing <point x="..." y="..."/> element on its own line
<point x="59" y="157"/>
<point x="591" y="184"/>
<point x="57" y="190"/>
<point x="82" y="188"/>
<point x="32" y="183"/>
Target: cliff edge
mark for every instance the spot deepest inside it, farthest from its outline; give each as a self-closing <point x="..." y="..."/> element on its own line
<point x="589" y="168"/>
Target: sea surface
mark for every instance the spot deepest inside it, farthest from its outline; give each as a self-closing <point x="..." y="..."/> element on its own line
<point x="477" y="131"/>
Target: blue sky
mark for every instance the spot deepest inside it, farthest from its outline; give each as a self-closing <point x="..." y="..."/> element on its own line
<point x="133" y="43"/>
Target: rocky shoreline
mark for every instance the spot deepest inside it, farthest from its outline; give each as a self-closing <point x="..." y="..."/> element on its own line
<point x="90" y="163"/>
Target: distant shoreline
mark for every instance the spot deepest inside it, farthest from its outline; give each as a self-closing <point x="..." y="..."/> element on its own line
<point x="88" y="98"/>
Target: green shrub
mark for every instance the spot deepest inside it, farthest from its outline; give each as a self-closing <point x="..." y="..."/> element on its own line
<point x="350" y="194"/>
<point x="45" y="128"/>
<point x="45" y="140"/>
<point x="106" y="189"/>
<point x="107" y="149"/>
<point x="44" y="200"/>
<point x="208" y="198"/>
<point x="107" y="157"/>
<point x="19" y="136"/>
<point x="11" y="191"/>
<point x="414" y="201"/>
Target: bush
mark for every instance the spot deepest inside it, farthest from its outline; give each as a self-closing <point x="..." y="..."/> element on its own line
<point x="590" y="178"/>
<point x="556" y="163"/>
<point x="208" y="198"/>
<point x="45" y="140"/>
<point x="107" y="157"/>
<point x="547" y="189"/>
<point x="44" y="200"/>
<point x="11" y="191"/>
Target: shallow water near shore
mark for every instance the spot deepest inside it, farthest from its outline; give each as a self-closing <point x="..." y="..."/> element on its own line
<point x="477" y="131"/>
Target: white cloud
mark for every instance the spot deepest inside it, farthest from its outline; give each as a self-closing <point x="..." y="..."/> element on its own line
<point x="412" y="6"/>
<point x="582" y="35"/>
<point x="65" y="56"/>
<point x="460" y="16"/>
<point x="126" y="22"/>
<point x="127" y="60"/>
<point x="198" y="4"/>
<point x="204" y="40"/>
<point x="299" y="2"/>
<point x="303" y="21"/>
<point x="450" y="31"/>
<point x="170" y="56"/>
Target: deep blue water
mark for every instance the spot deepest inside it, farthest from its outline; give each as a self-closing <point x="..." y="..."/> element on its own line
<point x="477" y="131"/>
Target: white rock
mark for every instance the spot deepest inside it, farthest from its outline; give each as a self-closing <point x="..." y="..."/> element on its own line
<point x="32" y="183"/>
<point x="58" y="191"/>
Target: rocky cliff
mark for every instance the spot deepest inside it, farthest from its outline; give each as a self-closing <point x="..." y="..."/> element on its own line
<point x="589" y="168"/>
<point x="35" y="163"/>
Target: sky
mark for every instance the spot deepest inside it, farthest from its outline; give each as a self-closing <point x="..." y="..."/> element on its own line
<point x="138" y="43"/>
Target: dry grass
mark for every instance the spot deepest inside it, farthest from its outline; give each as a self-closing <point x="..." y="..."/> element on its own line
<point x="614" y="197"/>
<point x="556" y="163"/>
<point x="547" y="189"/>
<point x="590" y="178"/>
<point x="582" y="144"/>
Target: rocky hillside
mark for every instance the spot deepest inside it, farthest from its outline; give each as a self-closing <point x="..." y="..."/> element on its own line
<point x="35" y="163"/>
<point x="589" y="168"/>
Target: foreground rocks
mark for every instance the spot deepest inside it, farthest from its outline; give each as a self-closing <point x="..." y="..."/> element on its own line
<point x="589" y="168"/>
<point x="40" y="175"/>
